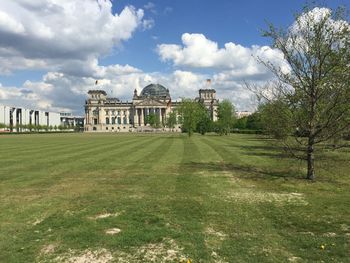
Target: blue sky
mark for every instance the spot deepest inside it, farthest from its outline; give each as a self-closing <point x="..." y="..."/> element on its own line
<point x="51" y="51"/>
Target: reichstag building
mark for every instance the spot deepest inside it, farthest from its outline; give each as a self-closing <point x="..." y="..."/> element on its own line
<point x="104" y="114"/>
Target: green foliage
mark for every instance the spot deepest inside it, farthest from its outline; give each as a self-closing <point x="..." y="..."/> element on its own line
<point x="204" y="124"/>
<point x="241" y="123"/>
<point x="226" y="117"/>
<point x="254" y="121"/>
<point x="2" y="125"/>
<point x="153" y="120"/>
<point x="191" y="112"/>
<point x="171" y="121"/>
<point x="275" y="119"/>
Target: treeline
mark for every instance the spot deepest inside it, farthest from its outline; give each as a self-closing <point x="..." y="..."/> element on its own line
<point x="195" y="117"/>
<point x="38" y="128"/>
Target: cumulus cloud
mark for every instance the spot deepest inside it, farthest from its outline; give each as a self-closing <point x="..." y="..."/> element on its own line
<point x="199" y="52"/>
<point x="62" y="35"/>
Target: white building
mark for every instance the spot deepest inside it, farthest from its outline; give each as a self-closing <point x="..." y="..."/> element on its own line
<point x="241" y="114"/>
<point x="104" y="114"/>
<point x="17" y="117"/>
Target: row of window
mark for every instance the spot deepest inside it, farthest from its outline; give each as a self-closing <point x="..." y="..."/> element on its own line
<point x="117" y="120"/>
<point x="112" y="112"/>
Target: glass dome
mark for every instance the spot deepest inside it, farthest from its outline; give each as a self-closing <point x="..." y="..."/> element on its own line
<point x="154" y="90"/>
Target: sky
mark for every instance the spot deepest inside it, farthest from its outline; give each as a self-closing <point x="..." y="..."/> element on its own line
<point x="53" y="51"/>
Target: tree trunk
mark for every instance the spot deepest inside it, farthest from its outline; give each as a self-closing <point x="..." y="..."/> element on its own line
<point x="310" y="160"/>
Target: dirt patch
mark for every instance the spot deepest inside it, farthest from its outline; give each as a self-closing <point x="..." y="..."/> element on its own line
<point x="213" y="241"/>
<point x="113" y="231"/>
<point x="218" y="234"/>
<point x="295" y="259"/>
<point x="260" y="197"/>
<point x="330" y="234"/>
<point x="37" y="221"/>
<point x="48" y="249"/>
<point x="104" y="215"/>
<point x="165" y="251"/>
<point x="88" y="256"/>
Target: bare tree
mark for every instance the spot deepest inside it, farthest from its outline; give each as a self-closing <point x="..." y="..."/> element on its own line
<point x="312" y="94"/>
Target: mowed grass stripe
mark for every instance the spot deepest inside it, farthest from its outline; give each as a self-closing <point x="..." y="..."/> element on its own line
<point x="119" y="158"/>
<point x="74" y="148"/>
<point x="187" y="205"/>
<point x="52" y="160"/>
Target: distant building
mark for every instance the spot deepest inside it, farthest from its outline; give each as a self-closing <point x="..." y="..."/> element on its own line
<point x="106" y="114"/>
<point x="241" y="114"/>
<point x="17" y="117"/>
<point x="68" y="119"/>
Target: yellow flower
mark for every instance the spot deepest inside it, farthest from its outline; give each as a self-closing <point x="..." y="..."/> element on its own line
<point x="323" y="247"/>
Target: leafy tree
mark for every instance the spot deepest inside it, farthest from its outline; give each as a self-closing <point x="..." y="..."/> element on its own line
<point x="190" y="112"/>
<point x="2" y="126"/>
<point x="226" y="117"/>
<point x="171" y="121"/>
<point x="153" y="120"/>
<point x="241" y="123"/>
<point x="254" y="121"/>
<point x="312" y="96"/>
<point x="204" y="124"/>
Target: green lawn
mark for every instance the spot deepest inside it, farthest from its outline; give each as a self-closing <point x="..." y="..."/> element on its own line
<point x="163" y="198"/>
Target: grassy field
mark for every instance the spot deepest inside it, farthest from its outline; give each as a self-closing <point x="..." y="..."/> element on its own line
<point x="166" y="198"/>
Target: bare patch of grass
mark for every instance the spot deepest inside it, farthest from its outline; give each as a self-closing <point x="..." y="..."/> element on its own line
<point x="104" y="215"/>
<point x="113" y="231"/>
<point x="252" y="197"/>
<point x="48" y="249"/>
<point x="87" y="256"/>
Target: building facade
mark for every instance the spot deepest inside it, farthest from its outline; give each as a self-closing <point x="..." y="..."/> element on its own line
<point x="104" y="114"/>
<point x="17" y="117"/>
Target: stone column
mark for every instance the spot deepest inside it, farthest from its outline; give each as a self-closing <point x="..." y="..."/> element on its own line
<point x="136" y="117"/>
<point x="142" y="117"/>
<point x="160" y="115"/>
<point x="127" y="117"/>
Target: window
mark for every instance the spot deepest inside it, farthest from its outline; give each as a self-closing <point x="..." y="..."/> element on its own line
<point x="119" y="120"/>
<point x="95" y="121"/>
<point x="124" y="120"/>
<point x="106" y="128"/>
<point x="107" y="120"/>
<point x="113" y="120"/>
<point x="107" y="112"/>
<point x="125" y="112"/>
<point x="118" y="112"/>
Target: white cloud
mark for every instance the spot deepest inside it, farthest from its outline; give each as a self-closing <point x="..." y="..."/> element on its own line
<point x="148" y="24"/>
<point x="199" y="52"/>
<point x="62" y="34"/>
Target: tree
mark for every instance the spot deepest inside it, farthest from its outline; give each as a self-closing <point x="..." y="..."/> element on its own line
<point x="171" y="121"/>
<point x="153" y="120"/>
<point x="313" y="87"/>
<point x="204" y="124"/>
<point x="241" y="123"/>
<point x="226" y="117"/>
<point x="190" y="113"/>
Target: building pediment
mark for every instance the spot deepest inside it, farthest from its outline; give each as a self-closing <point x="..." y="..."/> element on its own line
<point x="150" y="103"/>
